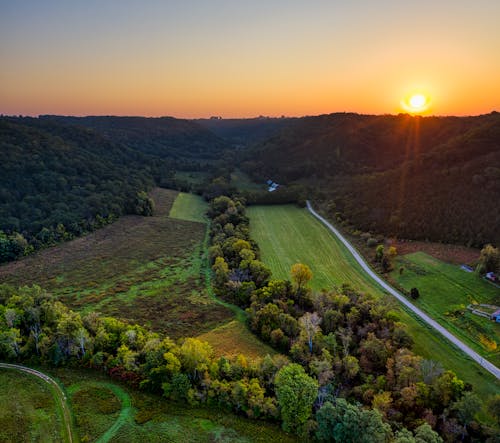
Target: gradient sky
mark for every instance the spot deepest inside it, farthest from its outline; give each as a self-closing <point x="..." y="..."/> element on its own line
<point x="234" y="58"/>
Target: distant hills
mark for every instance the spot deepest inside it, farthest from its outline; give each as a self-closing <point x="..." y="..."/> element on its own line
<point x="165" y="137"/>
<point x="435" y="178"/>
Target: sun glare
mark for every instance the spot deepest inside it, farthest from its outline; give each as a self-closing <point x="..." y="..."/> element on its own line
<point x="416" y="103"/>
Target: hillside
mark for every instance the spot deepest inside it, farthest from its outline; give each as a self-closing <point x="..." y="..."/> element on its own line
<point x="165" y="137"/>
<point x="434" y="178"/>
<point x="241" y="132"/>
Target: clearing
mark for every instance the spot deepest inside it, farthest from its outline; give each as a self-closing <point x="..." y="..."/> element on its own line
<point x="28" y="409"/>
<point x="287" y="234"/>
<point x="445" y="291"/>
<point x="109" y="411"/>
<point x="146" y="270"/>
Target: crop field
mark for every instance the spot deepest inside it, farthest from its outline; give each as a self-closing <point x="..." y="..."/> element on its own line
<point x="189" y="207"/>
<point x="108" y="411"/>
<point x="146" y="270"/>
<point x="445" y="291"/>
<point x="28" y="411"/>
<point x="287" y="234"/>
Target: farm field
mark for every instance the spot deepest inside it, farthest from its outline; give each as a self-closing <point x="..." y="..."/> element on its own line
<point x="28" y="411"/>
<point x="105" y="410"/>
<point x="445" y="291"/>
<point x="287" y="234"/>
<point x="243" y="182"/>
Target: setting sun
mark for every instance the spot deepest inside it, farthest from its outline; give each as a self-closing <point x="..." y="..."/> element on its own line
<point x="416" y="103"/>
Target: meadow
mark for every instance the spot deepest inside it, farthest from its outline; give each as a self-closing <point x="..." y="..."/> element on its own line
<point x="28" y="410"/>
<point x="445" y="291"/>
<point x="106" y="411"/>
<point x="287" y="234"/>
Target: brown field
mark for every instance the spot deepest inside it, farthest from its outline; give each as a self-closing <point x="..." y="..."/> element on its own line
<point x="455" y="254"/>
<point x="146" y="270"/>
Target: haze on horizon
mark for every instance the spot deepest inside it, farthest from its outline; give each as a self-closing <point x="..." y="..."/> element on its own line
<point x="243" y="59"/>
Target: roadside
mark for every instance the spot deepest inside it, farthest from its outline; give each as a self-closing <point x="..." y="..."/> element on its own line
<point x="432" y="323"/>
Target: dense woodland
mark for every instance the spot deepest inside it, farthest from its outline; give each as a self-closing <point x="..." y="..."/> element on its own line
<point x="64" y="176"/>
<point x="435" y="178"/>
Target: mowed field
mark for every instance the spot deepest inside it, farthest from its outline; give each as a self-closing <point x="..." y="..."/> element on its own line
<point x="28" y="410"/>
<point x="287" y="234"/>
<point x="146" y="270"/>
<point x="445" y="291"/>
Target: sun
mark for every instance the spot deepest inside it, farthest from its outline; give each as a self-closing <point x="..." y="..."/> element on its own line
<point x="416" y="103"/>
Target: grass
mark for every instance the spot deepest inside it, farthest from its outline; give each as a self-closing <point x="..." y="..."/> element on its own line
<point x="189" y="207"/>
<point x="108" y="411"/>
<point x="287" y="234"/>
<point x="28" y="410"/>
<point x="146" y="270"/>
<point x="243" y="182"/>
<point x="445" y="291"/>
<point x="235" y="338"/>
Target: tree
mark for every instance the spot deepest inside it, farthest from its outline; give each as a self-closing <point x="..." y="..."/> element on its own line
<point x="301" y="275"/>
<point x="466" y="408"/>
<point x="494" y="407"/>
<point x="310" y="327"/>
<point x="489" y="260"/>
<point x="343" y="422"/>
<point x="296" y="392"/>
<point x="414" y="293"/>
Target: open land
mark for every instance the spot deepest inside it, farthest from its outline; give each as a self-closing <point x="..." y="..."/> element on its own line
<point x="28" y="409"/>
<point x="287" y="234"/>
<point x="109" y="411"/>
<point x="145" y="270"/>
<point x="445" y="291"/>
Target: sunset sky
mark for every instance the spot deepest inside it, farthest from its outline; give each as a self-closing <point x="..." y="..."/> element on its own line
<point x="235" y="58"/>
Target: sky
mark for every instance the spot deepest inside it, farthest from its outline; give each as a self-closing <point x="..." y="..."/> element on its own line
<point x="234" y="58"/>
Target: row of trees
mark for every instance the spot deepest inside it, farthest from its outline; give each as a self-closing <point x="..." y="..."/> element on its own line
<point x="350" y="344"/>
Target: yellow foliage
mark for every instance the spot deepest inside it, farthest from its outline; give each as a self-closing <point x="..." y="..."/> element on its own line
<point x="489" y="344"/>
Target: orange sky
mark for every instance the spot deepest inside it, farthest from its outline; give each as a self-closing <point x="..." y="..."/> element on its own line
<point x="243" y="59"/>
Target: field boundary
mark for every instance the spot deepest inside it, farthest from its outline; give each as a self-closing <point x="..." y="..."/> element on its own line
<point x="56" y="390"/>
<point x="490" y="367"/>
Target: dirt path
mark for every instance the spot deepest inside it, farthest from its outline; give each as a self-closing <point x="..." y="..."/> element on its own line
<point x="490" y="367"/>
<point x="59" y="394"/>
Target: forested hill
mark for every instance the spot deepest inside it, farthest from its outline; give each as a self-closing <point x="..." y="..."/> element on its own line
<point x="435" y="178"/>
<point x="241" y="132"/>
<point x="58" y="181"/>
<point x="165" y="137"/>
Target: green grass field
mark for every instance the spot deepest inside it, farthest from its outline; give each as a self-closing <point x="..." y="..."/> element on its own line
<point x="189" y="207"/>
<point x="445" y="291"/>
<point x="105" y="411"/>
<point x="28" y="410"/>
<point x="287" y="234"/>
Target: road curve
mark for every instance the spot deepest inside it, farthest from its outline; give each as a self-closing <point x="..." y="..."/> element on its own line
<point x="490" y="367"/>
<point x="61" y="397"/>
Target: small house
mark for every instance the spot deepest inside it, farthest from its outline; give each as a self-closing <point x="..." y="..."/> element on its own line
<point x="496" y="316"/>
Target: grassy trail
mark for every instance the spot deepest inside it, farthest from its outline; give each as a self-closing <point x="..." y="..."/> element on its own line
<point x="287" y="234"/>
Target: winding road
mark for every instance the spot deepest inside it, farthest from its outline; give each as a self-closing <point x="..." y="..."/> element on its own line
<point x="490" y="367"/>
<point x="59" y="393"/>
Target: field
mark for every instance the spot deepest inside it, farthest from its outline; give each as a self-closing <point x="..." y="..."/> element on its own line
<point x="445" y="291"/>
<point x="108" y="411"/>
<point x="287" y="234"/>
<point x="28" y="411"/>
<point x="189" y="207"/>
